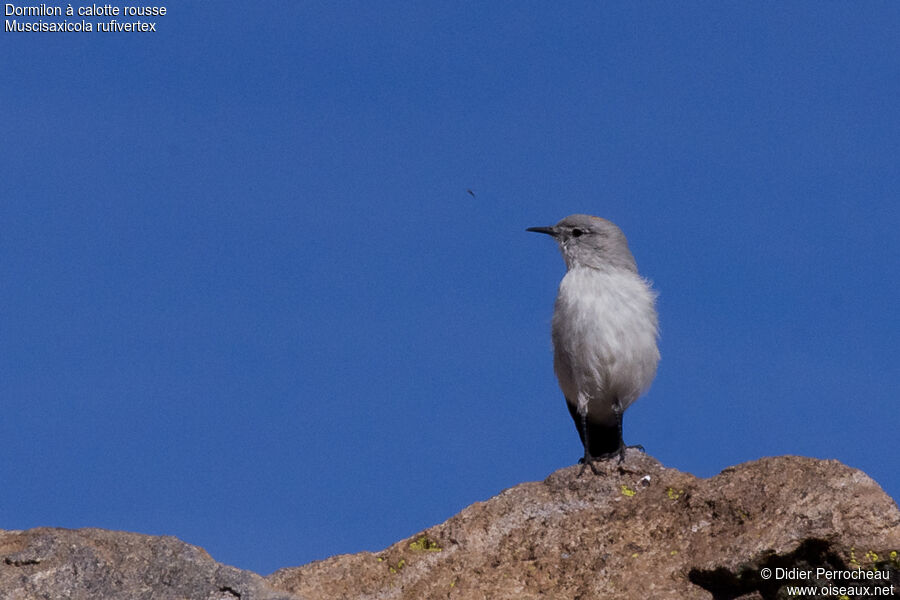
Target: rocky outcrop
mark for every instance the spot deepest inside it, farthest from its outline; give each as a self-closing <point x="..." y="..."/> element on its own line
<point x="95" y="564"/>
<point x="637" y="531"/>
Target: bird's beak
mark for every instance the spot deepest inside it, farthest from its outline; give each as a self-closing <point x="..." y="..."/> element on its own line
<point x="548" y="230"/>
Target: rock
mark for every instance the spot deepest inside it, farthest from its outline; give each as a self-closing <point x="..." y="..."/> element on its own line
<point x="640" y="531"/>
<point x="94" y="564"/>
<point x="637" y="531"/>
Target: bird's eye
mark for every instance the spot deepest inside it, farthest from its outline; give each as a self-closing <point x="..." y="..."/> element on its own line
<point x="577" y="232"/>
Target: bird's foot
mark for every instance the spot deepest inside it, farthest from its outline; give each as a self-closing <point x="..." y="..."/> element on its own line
<point x="591" y="460"/>
<point x="637" y="447"/>
<point x="623" y="448"/>
<point x="588" y="460"/>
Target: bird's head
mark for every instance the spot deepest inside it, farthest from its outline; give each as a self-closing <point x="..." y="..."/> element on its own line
<point x="591" y="242"/>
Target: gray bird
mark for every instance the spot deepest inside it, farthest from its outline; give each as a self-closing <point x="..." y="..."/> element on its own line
<point x="605" y="331"/>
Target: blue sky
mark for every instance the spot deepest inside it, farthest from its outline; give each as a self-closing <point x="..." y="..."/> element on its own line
<point x="247" y="301"/>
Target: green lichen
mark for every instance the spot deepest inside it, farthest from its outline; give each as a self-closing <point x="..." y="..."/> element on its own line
<point x="423" y="544"/>
<point x="627" y="491"/>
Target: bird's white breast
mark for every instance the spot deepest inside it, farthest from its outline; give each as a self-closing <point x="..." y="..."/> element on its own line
<point x="605" y="328"/>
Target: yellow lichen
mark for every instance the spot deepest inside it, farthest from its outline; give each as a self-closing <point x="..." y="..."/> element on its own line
<point x="635" y="555"/>
<point x="673" y="552"/>
<point x="872" y="556"/>
<point x="423" y="544"/>
<point x="674" y="494"/>
<point x="398" y="568"/>
<point x="628" y="491"/>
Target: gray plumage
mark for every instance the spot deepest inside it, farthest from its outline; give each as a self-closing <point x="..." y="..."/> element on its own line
<point x="605" y="331"/>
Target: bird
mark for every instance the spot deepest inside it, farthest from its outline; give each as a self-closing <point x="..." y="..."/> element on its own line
<point x="605" y="332"/>
<point x="471" y="193"/>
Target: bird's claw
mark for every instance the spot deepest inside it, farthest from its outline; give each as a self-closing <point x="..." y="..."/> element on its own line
<point x="590" y="460"/>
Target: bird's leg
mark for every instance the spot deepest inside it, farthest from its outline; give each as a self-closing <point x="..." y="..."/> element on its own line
<point x="622" y="446"/>
<point x="619" y="431"/>
<point x="588" y="459"/>
<point x="619" y="452"/>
